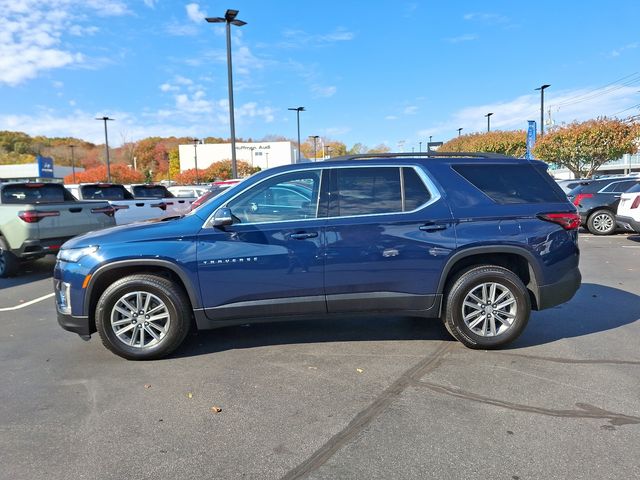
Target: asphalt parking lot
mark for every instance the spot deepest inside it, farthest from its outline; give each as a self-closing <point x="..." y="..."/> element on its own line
<point x="354" y="398"/>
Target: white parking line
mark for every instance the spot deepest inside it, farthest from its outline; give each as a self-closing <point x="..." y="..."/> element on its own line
<point x="26" y="304"/>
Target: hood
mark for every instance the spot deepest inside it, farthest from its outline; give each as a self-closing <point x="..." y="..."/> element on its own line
<point x="173" y="227"/>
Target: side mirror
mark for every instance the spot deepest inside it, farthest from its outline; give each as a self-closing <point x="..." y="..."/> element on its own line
<point x="223" y="217"/>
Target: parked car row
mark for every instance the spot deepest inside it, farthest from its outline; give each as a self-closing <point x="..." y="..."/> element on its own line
<point x="37" y="218"/>
<point x="598" y="202"/>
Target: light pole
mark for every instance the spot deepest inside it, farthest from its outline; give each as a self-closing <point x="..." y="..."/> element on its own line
<point x="327" y="151"/>
<point x="542" y="88"/>
<point x="298" y="110"/>
<point x="459" y="130"/>
<point x="488" y="115"/>
<point x="267" y="154"/>
<point x="315" y="147"/>
<point x="106" y="145"/>
<point x="229" y="19"/>
<point x="73" y="163"/>
<point x="429" y="144"/>
<point x="420" y="146"/>
<point x="195" y="158"/>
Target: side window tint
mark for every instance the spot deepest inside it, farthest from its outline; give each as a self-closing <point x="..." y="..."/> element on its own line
<point x="292" y="196"/>
<point x="366" y="191"/>
<point x="415" y="191"/>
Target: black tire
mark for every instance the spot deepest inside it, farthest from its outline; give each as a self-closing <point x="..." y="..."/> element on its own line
<point x="464" y="284"/>
<point x="177" y="307"/>
<point x="601" y="222"/>
<point x="9" y="263"/>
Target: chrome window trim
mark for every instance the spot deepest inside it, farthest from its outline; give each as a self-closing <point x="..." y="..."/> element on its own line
<point x="431" y="188"/>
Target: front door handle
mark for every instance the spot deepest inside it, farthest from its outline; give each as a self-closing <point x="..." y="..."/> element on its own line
<point x="432" y="227"/>
<point x="303" y="235"/>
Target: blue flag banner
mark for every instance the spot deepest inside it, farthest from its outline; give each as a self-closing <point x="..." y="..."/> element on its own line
<point x="45" y="167"/>
<point x="531" y="138"/>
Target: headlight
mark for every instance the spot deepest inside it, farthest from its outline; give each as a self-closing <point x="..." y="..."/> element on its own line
<point x="75" y="254"/>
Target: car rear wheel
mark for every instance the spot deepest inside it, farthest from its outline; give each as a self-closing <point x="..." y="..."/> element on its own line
<point x="9" y="263"/>
<point x="487" y="307"/>
<point x="143" y="317"/>
<point x="602" y="222"/>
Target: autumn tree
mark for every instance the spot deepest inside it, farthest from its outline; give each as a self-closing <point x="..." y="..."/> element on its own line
<point x="215" y="171"/>
<point x="582" y="147"/>
<point x="513" y="143"/>
<point x="120" y="173"/>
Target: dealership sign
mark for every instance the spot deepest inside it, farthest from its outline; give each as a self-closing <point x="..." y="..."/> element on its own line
<point x="45" y="167"/>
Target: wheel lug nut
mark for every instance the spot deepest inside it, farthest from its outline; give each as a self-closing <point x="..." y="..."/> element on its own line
<point x="146" y="323"/>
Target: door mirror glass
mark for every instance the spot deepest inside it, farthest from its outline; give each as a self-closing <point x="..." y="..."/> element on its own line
<point x="223" y="217"/>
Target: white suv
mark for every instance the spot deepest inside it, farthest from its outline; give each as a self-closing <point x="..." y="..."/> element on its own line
<point x="628" y="216"/>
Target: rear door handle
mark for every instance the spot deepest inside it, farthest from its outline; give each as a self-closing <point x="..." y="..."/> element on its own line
<point x="303" y="235"/>
<point x="432" y="227"/>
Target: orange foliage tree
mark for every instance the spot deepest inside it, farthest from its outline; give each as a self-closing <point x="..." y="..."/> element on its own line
<point x="512" y="143"/>
<point x="119" y="174"/>
<point x="216" y="171"/>
<point x="582" y="147"/>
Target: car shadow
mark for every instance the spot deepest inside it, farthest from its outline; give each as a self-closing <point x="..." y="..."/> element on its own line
<point x="634" y="237"/>
<point x="321" y="330"/>
<point x="31" y="272"/>
<point x="595" y="308"/>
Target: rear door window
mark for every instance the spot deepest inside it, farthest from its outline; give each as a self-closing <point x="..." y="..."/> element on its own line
<point x="151" y="191"/>
<point x="368" y="191"/>
<point x="105" y="192"/>
<point x="509" y="183"/>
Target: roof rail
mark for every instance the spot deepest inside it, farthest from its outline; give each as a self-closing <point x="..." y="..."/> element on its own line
<point x="364" y="156"/>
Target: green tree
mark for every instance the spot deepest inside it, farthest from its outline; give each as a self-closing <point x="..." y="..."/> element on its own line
<point x="582" y="147"/>
<point x="512" y="143"/>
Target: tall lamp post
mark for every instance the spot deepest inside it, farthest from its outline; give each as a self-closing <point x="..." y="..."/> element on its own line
<point x="459" y="130"/>
<point x="230" y="19"/>
<point x="429" y="143"/>
<point x="298" y="110"/>
<point x="73" y="163"/>
<point x="315" y="147"/>
<point x="420" y="147"/>
<point x="488" y="115"/>
<point x="106" y="145"/>
<point x="195" y="158"/>
<point x="542" y="88"/>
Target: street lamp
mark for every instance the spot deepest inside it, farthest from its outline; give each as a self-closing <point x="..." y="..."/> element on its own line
<point x="429" y="144"/>
<point x="488" y="115"/>
<point x="327" y="151"/>
<point x="459" y="130"/>
<point x="195" y="157"/>
<point x="229" y="19"/>
<point x="541" y="88"/>
<point x="73" y="163"/>
<point x="298" y="110"/>
<point x="106" y="145"/>
<point x="267" y="155"/>
<point x="420" y="146"/>
<point x="315" y="147"/>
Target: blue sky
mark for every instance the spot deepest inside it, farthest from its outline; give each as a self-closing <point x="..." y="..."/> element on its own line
<point x="371" y="72"/>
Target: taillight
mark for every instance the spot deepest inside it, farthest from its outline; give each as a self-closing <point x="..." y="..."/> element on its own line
<point x="161" y="205"/>
<point x="568" y="221"/>
<point x="636" y="202"/>
<point x="34" y="216"/>
<point x="580" y="197"/>
<point x="108" y="211"/>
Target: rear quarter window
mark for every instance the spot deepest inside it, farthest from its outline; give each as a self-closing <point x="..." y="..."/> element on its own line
<point x="508" y="184"/>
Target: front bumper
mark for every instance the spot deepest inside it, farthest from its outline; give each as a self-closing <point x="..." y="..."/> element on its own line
<point x="79" y="325"/>
<point x="627" y="223"/>
<point x="561" y="291"/>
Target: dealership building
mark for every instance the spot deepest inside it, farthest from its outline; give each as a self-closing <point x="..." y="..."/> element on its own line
<point x="43" y="170"/>
<point x="258" y="154"/>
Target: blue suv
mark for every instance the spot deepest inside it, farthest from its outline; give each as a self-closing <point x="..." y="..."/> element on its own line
<point x="477" y="240"/>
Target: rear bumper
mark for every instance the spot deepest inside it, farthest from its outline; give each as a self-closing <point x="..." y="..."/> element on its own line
<point x="79" y="325"/>
<point x="561" y="291"/>
<point x="627" y="223"/>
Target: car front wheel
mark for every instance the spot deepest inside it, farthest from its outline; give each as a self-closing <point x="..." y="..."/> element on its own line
<point x="602" y="222"/>
<point x="143" y="317"/>
<point x="487" y="307"/>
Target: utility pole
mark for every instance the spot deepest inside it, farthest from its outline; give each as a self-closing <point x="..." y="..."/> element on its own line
<point x="73" y="163"/>
<point x="542" y="88"/>
<point x="106" y="145"/>
<point x="488" y="115"/>
<point x="315" y="147"/>
<point x="298" y="110"/>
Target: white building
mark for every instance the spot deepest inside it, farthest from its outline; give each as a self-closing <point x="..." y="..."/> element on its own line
<point x="35" y="172"/>
<point x="259" y="154"/>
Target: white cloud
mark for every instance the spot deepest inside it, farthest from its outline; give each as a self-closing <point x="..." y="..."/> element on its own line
<point x="323" y="92"/>
<point x="32" y="34"/>
<point x="462" y="38"/>
<point x="618" y="51"/>
<point x="150" y="3"/>
<point x="490" y="18"/>
<point x="302" y="39"/>
<point x="410" y="110"/>
<point x="194" y="13"/>
<point x="391" y="117"/>
<point x="565" y="106"/>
